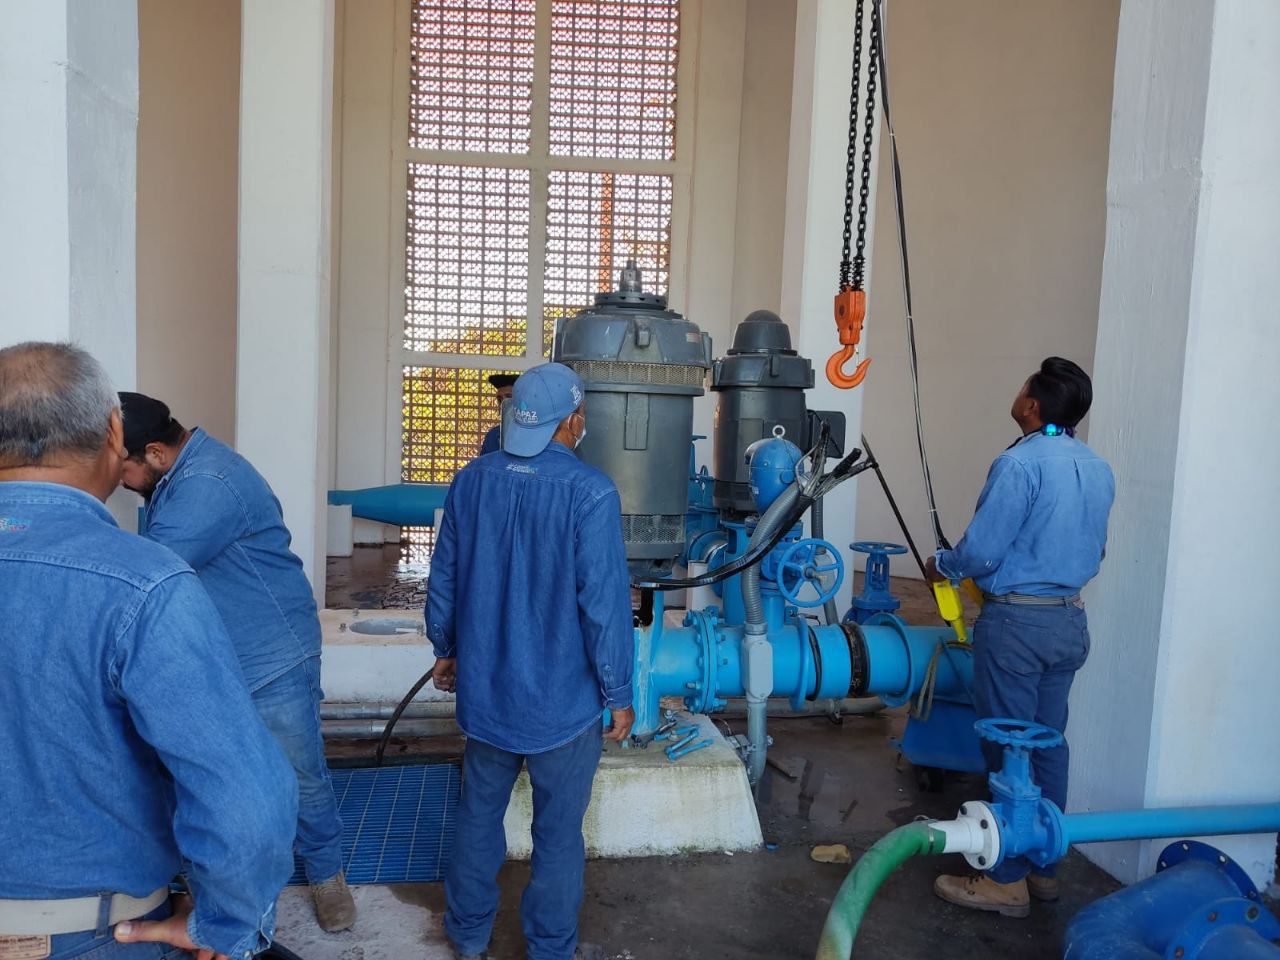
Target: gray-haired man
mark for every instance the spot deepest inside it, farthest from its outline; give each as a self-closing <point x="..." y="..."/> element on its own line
<point x="129" y="749"/>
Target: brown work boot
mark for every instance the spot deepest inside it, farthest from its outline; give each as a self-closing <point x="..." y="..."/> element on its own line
<point x="335" y="910"/>
<point x="982" y="893"/>
<point x="1042" y="888"/>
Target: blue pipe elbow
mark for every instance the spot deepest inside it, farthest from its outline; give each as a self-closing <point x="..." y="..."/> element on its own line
<point x="1201" y="907"/>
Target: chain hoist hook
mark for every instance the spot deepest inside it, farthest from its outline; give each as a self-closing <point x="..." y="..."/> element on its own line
<point x="850" y="310"/>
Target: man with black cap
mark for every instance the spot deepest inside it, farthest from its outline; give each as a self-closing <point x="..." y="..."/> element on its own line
<point x="534" y="662"/>
<point x="209" y="505"/>
<point x="503" y="383"/>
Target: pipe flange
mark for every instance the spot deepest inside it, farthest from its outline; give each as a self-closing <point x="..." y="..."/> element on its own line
<point x="975" y="833"/>
<point x="1183" y="850"/>
<point x="1216" y="917"/>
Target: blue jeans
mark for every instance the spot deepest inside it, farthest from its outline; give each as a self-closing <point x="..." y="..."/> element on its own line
<point x="561" y="781"/>
<point x="1024" y="660"/>
<point x="290" y="708"/>
<point x="91" y="945"/>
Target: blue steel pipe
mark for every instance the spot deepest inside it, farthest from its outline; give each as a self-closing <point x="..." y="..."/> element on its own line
<point x="402" y="504"/>
<point x="701" y="661"/>
<point x="1173" y="822"/>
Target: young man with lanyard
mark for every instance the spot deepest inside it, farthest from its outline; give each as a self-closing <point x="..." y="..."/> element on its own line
<point x="1037" y="537"/>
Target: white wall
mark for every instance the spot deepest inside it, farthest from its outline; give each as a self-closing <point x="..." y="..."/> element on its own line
<point x="188" y="142"/>
<point x="1002" y="114"/>
<point x="284" y="317"/>
<point x="763" y="146"/>
<point x="68" y="182"/>
<point x="1177" y="703"/>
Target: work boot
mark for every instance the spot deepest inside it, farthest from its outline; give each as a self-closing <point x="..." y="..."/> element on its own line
<point x="589" y="951"/>
<point x="982" y="893"/>
<point x="458" y="955"/>
<point x="1041" y="887"/>
<point x="335" y="910"/>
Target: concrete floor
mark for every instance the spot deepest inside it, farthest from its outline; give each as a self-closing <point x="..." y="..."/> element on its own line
<point x="827" y="783"/>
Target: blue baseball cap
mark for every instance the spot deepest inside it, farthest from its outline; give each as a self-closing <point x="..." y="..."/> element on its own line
<point x="541" y="398"/>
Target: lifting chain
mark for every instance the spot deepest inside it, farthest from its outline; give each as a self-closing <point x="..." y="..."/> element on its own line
<point x="853" y="270"/>
<point x="851" y="300"/>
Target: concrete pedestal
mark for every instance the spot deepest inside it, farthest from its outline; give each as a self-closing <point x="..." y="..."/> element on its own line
<point x="643" y="804"/>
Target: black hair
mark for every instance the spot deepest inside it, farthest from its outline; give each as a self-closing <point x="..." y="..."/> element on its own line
<point x="170" y="434"/>
<point x="1063" y="390"/>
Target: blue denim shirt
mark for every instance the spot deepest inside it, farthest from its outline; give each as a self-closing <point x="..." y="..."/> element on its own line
<point x="127" y="740"/>
<point x="529" y="590"/>
<point x="1041" y="523"/>
<point x="214" y="510"/>
<point x="492" y="442"/>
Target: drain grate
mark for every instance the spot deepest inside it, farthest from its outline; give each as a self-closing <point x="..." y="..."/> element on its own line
<point x="397" y="823"/>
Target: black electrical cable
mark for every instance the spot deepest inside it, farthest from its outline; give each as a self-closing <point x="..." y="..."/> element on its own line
<point x="395" y="717"/>
<point x="879" y="53"/>
<point x="893" y="505"/>
<point x="840" y="472"/>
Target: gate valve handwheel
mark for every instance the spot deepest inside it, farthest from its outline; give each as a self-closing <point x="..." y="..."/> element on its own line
<point x="850" y="311"/>
<point x="1019" y="733"/>
<point x="799" y="564"/>
<point x="875" y="546"/>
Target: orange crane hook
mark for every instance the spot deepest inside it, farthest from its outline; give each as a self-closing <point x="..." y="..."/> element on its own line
<point x="851" y="310"/>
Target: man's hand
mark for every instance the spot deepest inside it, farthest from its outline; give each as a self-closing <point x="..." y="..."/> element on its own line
<point x="445" y="675"/>
<point x="623" y="720"/>
<point x="931" y="571"/>
<point x="172" y="931"/>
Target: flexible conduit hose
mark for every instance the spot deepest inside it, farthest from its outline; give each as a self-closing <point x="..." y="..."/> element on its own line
<point x="756" y="631"/>
<point x="860" y="886"/>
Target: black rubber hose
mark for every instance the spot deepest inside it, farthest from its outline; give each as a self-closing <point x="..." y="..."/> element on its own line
<point x="395" y="717"/>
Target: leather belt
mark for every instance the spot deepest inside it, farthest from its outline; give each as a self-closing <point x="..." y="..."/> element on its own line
<point x="1026" y="599"/>
<point x="51" y="917"/>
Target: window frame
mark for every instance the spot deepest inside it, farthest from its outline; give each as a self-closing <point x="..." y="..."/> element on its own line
<point x="540" y="163"/>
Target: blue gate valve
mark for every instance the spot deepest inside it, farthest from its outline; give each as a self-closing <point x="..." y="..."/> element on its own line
<point x="876" y="596"/>
<point x="1030" y="825"/>
<point x="799" y="566"/>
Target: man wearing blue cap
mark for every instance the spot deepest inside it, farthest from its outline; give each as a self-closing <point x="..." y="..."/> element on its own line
<point x="533" y="662"/>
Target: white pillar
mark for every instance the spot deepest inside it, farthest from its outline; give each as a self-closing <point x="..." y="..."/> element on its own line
<point x="1177" y="704"/>
<point x="68" y="169"/>
<point x="282" y="389"/>
<point x="815" y="217"/>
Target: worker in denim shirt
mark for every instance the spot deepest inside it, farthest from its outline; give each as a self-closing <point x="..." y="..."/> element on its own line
<point x="129" y="749"/>
<point x="529" y="612"/>
<point x="1038" y="536"/>
<point x="210" y="506"/>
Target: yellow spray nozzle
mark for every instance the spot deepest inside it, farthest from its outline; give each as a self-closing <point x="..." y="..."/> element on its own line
<point x="947" y="597"/>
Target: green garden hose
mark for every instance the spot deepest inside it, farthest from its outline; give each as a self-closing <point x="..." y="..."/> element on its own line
<point x="872" y="869"/>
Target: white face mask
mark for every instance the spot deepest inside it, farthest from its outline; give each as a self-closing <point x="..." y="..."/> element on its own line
<point x="582" y="436"/>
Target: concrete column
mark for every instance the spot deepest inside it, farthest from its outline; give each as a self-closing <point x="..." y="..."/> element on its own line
<point x="283" y="363"/>
<point x="68" y="169"/>
<point x="814" y="219"/>
<point x="1177" y="704"/>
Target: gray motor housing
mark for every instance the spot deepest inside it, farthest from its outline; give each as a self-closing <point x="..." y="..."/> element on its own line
<point x="642" y="365"/>
<point x="761" y="385"/>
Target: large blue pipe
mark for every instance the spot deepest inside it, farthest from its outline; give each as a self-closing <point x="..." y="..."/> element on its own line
<point x="701" y="660"/>
<point x="403" y="504"/>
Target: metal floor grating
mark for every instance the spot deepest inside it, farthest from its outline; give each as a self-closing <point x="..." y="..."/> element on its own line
<point x="397" y="822"/>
